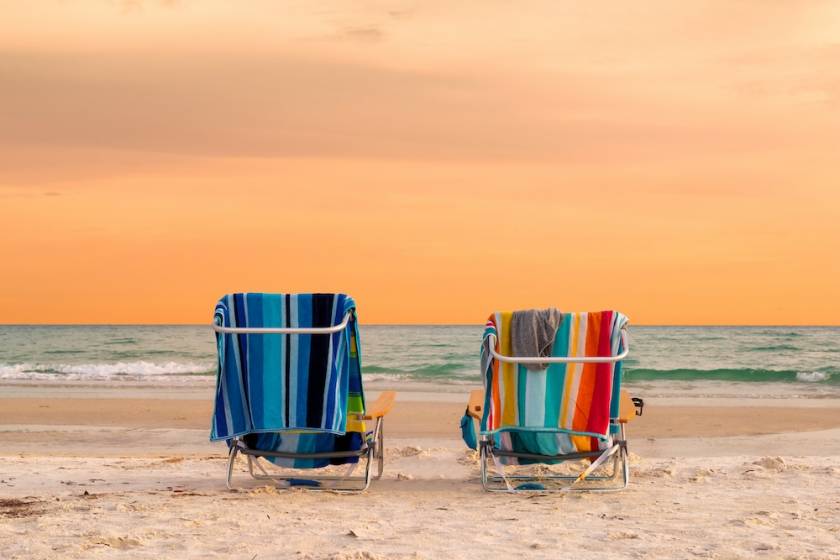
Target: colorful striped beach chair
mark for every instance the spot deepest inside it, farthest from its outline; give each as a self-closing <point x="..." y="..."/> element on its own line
<point x="574" y="410"/>
<point x="289" y="390"/>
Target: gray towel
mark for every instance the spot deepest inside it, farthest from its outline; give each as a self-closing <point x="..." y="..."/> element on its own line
<point x="532" y="333"/>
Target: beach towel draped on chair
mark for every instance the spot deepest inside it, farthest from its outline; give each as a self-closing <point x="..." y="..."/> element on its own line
<point x="292" y="397"/>
<point x="274" y="382"/>
<point x="568" y="409"/>
<point x="307" y="444"/>
<point x="569" y="398"/>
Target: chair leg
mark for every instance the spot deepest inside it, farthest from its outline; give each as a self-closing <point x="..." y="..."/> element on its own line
<point x="625" y="457"/>
<point x="254" y="465"/>
<point x="617" y="454"/>
<point x="482" y="454"/>
<point x="597" y="463"/>
<point x="368" y="469"/>
<point x="234" y="449"/>
<point x="380" y="448"/>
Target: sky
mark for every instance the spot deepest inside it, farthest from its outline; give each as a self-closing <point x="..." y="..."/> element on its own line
<point x="436" y="160"/>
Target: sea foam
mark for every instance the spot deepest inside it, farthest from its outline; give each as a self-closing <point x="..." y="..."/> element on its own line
<point x="102" y="370"/>
<point x="812" y="376"/>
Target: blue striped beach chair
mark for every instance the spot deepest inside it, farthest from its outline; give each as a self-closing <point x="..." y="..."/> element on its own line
<point x="572" y="410"/>
<point x="289" y="390"/>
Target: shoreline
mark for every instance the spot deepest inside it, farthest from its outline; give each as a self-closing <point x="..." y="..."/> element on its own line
<point x="49" y="415"/>
<point x="672" y="391"/>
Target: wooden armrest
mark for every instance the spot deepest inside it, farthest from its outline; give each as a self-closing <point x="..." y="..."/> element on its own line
<point x="381" y="406"/>
<point x="475" y="406"/>
<point x="626" y="408"/>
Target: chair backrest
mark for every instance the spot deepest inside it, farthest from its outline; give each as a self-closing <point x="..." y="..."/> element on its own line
<point x="291" y="381"/>
<point x="575" y="398"/>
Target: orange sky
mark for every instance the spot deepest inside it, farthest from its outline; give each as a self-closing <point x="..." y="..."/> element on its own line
<point x="436" y="160"/>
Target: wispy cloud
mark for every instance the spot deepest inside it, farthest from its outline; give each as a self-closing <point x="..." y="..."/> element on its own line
<point x="368" y="33"/>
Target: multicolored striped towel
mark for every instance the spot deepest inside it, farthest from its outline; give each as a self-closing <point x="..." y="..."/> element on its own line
<point x="279" y="382"/>
<point x="574" y="399"/>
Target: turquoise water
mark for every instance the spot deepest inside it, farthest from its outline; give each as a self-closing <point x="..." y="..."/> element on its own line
<point x="802" y="360"/>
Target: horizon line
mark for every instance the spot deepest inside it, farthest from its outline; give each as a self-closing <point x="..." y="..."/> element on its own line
<point x="209" y="325"/>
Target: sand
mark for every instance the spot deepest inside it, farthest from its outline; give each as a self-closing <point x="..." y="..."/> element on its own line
<point x="129" y="473"/>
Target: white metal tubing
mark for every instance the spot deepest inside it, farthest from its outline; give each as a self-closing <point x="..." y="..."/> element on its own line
<point x="561" y="360"/>
<point x="285" y="330"/>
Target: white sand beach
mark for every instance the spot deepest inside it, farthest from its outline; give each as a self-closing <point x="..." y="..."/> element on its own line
<point x="289" y="207"/>
<point x="94" y="472"/>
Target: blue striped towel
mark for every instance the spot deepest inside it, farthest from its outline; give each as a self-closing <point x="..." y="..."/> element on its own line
<point x="295" y="442"/>
<point x="278" y="382"/>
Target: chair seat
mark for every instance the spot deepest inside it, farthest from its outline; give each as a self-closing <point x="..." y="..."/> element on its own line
<point x="545" y="444"/>
<point x="307" y="443"/>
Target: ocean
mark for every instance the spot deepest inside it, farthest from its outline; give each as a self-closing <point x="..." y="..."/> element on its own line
<point x="796" y="362"/>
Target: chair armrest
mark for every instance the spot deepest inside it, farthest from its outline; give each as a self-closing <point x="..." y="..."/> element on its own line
<point x="626" y="408"/>
<point x="475" y="406"/>
<point x="381" y="406"/>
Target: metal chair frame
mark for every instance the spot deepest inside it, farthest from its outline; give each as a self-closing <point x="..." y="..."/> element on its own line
<point x="617" y="450"/>
<point x="373" y="450"/>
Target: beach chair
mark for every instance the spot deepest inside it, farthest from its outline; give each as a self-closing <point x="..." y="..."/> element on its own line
<point x="574" y="410"/>
<point x="289" y="391"/>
